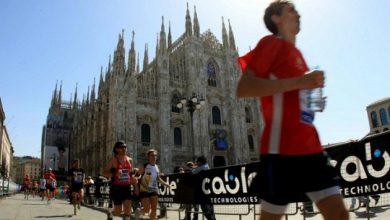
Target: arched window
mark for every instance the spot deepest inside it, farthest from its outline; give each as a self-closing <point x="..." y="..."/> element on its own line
<point x="177" y="137"/>
<point x="251" y="143"/>
<point x="216" y="115"/>
<point x="175" y="100"/>
<point x="211" y="74"/>
<point x="248" y="115"/>
<point x="145" y="134"/>
<point x="383" y="116"/>
<point x="374" y="119"/>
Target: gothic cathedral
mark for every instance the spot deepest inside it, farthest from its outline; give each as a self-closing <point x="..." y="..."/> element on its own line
<point x="182" y="104"/>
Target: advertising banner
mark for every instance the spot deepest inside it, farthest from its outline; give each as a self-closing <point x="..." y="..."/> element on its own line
<point x="56" y="158"/>
<point x="363" y="167"/>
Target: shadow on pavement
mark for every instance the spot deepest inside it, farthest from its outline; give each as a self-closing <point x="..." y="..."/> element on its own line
<point x="364" y="214"/>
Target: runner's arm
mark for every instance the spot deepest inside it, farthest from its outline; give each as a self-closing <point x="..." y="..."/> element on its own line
<point x="108" y="171"/>
<point x="249" y="85"/>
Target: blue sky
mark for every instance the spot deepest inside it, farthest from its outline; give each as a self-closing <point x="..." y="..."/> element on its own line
<point x="45" y="41"/>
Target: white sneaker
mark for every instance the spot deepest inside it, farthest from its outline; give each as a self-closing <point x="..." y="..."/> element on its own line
<point x="126" y="218"/>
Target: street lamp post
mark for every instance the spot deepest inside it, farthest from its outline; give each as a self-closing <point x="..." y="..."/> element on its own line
<point x="192" y="104"/>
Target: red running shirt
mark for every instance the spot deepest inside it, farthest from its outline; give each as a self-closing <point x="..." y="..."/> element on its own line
<point x="26" y="180"/>
<point x="49" y="176"/>
<point x="288" y="122"/>
<point x="126" y="168"/>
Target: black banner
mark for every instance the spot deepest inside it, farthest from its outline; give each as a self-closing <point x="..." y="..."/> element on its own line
<point x="223" y="185"/>
<point x="363" y="166"/>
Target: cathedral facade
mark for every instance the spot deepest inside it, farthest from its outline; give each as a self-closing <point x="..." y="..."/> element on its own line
<point x="182" y="103"/>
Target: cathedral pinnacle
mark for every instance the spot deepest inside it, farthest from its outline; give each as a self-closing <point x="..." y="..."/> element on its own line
<point x="101" y="79"/>
<point x="196" y="24"/>
<point x="132" y="40"/>
<point x="137" y="63"/>
<point x="131" y="59"/>
<point x="75" y="98"/>
<point x="224" y="35"/>
<point x="169" y="36"/>
<point x="93" y="91"/>
<point x="163" y="40"/>
<point x="232" y="42"/>
<point x="87" y="102"/>
<point x="54" y="97"/>
<point x="60" y="95"/>
<point x="146" y="57"/>
<point x="188" y="23"/>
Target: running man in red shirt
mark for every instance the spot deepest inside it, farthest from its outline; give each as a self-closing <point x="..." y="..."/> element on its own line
<point x="27" y="184"/>
<point x="290" y="149"/>
<point x="50" y="184"/>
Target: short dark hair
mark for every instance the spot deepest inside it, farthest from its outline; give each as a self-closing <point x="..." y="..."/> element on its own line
<point x="118" y="144"/>
<point x="201" y="159"/>
<point x="275" y="8"/>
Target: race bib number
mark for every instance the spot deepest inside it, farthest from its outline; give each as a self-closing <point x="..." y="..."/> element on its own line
<point x="124" y="177"/>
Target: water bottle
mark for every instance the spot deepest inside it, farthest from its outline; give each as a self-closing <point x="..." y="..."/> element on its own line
<point x="316" y="99"/>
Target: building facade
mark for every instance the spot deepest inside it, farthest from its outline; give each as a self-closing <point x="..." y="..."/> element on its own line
<point x="141" y="107"/>
<point x="378" y="114"/>
<point x="6" y="149"/>
<point x="26" y="165"/>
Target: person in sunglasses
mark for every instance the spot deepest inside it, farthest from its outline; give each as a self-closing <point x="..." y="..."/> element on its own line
<point x="119" y="169"/>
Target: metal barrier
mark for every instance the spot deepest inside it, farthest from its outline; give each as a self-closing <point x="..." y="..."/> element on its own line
<point x="239" y="210"/>
<point x="372" y="204"/>
<point x="292" y="209"/>
<point x="174" y="207"/>
<point x="8" y="187"/>
<point x="3" y="189"/>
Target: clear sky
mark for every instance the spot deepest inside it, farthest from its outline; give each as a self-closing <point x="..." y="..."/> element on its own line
<point x="45" y="41"/>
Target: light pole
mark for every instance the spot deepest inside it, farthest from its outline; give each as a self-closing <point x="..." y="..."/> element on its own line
<point x="193" y="103"/>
